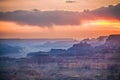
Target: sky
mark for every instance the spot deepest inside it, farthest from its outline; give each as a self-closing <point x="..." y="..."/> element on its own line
<point x="75" y="19"/>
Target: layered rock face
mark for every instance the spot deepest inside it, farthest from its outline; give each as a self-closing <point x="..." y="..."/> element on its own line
<point x="113" y="44"/>
<point x="113" y="40"/>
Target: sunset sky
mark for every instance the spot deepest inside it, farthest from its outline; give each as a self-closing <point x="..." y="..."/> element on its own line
<point x="75" y="19"/>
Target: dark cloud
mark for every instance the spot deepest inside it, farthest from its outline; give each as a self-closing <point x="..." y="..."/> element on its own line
<point x="107" y="12"/>
<point x="50" y="18"/>
<point x="70" y="1"/>
<point x="41" y="18"/>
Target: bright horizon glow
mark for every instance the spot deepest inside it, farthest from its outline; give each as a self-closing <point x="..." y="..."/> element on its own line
<point x="91" y="29"/>
<point x="111" y="23"/>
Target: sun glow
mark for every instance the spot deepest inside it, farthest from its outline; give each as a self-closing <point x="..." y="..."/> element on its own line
<point x="109" y="23"/>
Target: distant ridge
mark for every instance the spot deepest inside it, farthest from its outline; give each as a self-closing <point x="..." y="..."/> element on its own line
<point x="112" y="45"/>
<point x="36" y="39"/>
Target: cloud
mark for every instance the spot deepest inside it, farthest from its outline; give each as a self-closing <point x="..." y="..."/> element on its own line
<point x="107" y="12"/>
<point x="50" y="18"/>
<point x="41" y="18"/>
<point x="70" y="1"/>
